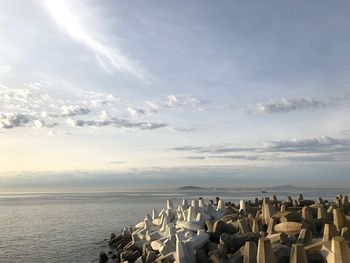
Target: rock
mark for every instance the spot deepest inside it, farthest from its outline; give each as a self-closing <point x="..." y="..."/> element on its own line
<point x="113" y="235"/>
<point x="130" y="256"/>
<point x="103" y="257"/>
<point x="201" y="256"/>
<point x="116" y="240"/>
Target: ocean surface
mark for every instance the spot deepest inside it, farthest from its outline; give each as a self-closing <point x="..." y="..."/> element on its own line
<point x="72" y="227"/>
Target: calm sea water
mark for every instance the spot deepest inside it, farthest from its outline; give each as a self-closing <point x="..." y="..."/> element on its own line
<point x="71" y="227"/>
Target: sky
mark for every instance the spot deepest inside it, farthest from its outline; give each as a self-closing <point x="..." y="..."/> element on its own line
<point x="131" y="94"/>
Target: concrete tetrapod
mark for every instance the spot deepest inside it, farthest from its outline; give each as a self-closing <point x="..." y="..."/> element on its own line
<point x="250" y="252"/>
<point x="298" y="254"/>
<point x="265" y="253"/>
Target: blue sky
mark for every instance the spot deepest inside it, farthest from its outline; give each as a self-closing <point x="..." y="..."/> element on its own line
<point x="163" y="91"/>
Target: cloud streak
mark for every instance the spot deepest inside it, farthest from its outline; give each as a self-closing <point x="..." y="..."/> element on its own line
<point x="110" y="59"/>
<point x="321" y="149"/>
<point x="285" y="105"/>
<point x="115" y="122"/>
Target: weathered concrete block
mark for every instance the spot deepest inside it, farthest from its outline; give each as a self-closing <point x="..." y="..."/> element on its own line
<point x="256" y="225"/>
<point x="243" y="226"/>
<point x="345" y="233"/>
<point x="184" y="252"/>
<point x="289" y="228"/>
<point x="265" y="253"/>
<point x="339" y="219"/>
<point x="151" y="256"/>
<point x="298" y="254"/>
<point x="329" y="231"/>
<point x="250" y="252"/>
<point x="340" y="249"/>
<point x="277" y="237"/>
<point x="336" y="251"/>
<point x="222" y="227"/>
<point x="322" y="213"/>
<point x="271" y="226"/>
<point x="167" y="247"/>
<point x="267" y="210"/>
<point x="305" y="237"/>
<point x="282" y="252"/>
<point x="199" y="240"/>
<point x="289" y="216"/>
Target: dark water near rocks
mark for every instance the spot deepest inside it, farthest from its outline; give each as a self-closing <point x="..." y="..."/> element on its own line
<point x="71" y="227"/>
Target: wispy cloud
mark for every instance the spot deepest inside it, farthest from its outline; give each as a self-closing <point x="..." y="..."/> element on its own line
<point x="284" y="105"/>
<point x="195" y="157"/>
<point x="115" y="122"/>
<point x="319" y="149"/>
<point x="117" y="162"/>
<point x="108" y="57"/>
<point x="178" y="102"/>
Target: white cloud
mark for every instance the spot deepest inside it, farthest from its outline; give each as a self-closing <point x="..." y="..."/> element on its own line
<point x="32" y="107"/>
<point x="5" y="68"/>
<point x="136" y="112"/>
<point x="169" y="102"/>
<point x="109" y="58"/>
<point x="297" y="104"/>
<point x="13" y="120"/>
<point x="72" y="110"/>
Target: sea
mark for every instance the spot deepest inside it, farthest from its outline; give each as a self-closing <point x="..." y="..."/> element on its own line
<point x="75" y="227"/>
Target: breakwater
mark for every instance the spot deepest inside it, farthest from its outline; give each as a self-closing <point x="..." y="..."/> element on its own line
<point x="263" y="231"/>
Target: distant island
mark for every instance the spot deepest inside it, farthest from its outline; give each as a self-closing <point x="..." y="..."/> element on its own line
<point x="189" y="187"/>
<point x="269" y="188"/>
